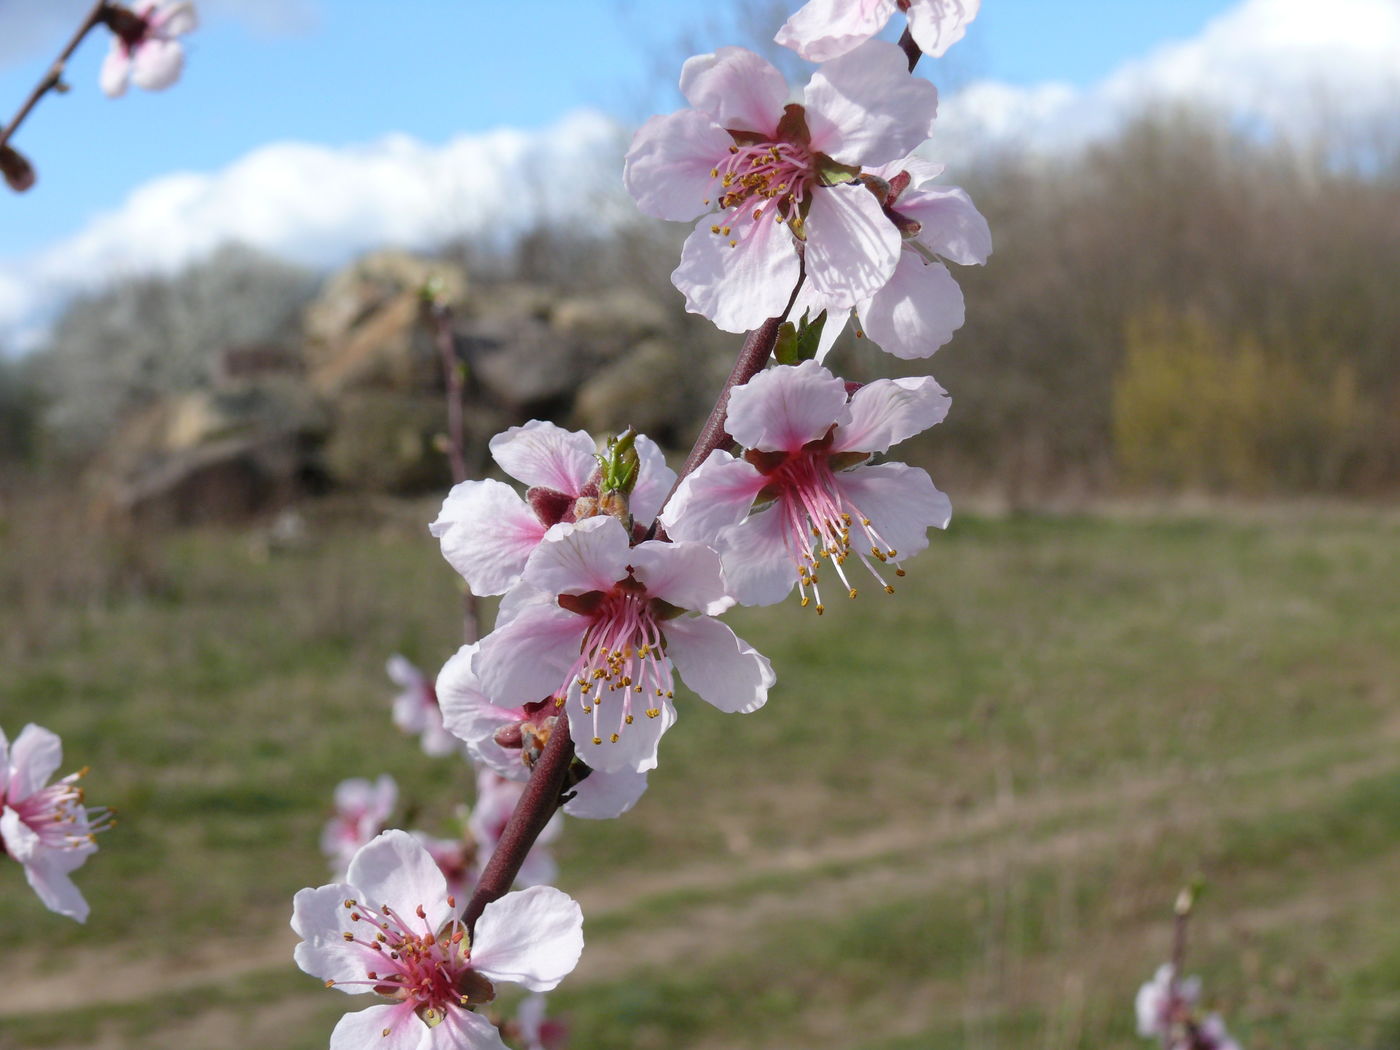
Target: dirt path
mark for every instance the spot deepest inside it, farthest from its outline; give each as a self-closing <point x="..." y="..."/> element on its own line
<point x="970" y="847"/>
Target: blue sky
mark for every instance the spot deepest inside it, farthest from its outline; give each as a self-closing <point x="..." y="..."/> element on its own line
<point x="313" y="128"/>
<point x="351" y="70"/>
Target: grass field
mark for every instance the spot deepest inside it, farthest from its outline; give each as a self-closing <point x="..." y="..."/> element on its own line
<point x="960" y="822"/>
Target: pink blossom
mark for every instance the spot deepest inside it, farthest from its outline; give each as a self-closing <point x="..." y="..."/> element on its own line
<point x="471" y="715"/>
<point x="496" y="798"/>
<point x="487" y="531"/>
<point x="457" y="860"/>
<point x="1211" y="1035"/>
<point x="535" y="1030"/>
<point x="45" y="826"/>
<point x="362" y="809"/>
<point x="803" y="492"/>
<point x="598" y="625"/>
<point x="393" y="929"/>
<point x="416" y="708"/>
<point x="152" y="58"/>
<point x="1162" y="1004"/>
<point x="825" y="29"/>
<point x="921" y="306"/>
<point x="765" y="175"/>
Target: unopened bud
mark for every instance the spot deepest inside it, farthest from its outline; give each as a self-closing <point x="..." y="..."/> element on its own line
<point x="618" y="467"/>
<point x="18" y="172"/>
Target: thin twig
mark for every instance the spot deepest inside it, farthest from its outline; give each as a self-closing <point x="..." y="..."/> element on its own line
<point x="54" y="76"/>
<point x="440" y="314"/>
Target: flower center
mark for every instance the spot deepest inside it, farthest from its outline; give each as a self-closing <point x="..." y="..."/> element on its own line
<point x="818" y="518"/>
<point x="763" y="181"/>
<point x="56" y="814"/>
<point x="622" y="657"/>
<point x="414" y="964"/>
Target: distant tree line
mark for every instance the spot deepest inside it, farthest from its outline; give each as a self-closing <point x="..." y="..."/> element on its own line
<point x="1185" y="307"/>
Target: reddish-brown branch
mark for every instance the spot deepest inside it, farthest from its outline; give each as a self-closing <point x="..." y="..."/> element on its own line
<point x="532" y="813"/>
<point x="911" y="49"/>
<point x="54" y="76"/>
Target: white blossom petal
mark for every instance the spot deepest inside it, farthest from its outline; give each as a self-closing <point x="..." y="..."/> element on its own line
<point x="739" y="89"/>
<point x="900" y="501"/>
<point x="602" y="796"/>
<point x="719" y="666"/>
<point x="826" y="29"/>
<point x="669" y="168"/>
<point x="917" y="311"/>
<point x="738" y="286"/>
<point x="157" y="63"/>
<point x="544" y="455"/>
<point x="783" y="408"/>
<point x="387" y="1027"/>
<point x="685" y="574"/>
<point x="888" y="411"/>
<point x="532" y="937"/>
<point x="852" y="246"/>
<point x="396" y="870"/>
<point x="487" y="534"/>
<point x="864" y="108"/>
<point x="936" y="25"/>
<point x="591" y="555"/>
<point x="716" y="494"/>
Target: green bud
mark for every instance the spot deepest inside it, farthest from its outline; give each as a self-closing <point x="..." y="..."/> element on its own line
<point x="785" y="349"/>
<point x="618" y="467"/>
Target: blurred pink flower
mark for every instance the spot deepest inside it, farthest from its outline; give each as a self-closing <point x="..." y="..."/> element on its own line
<point x="153" y="58"/>
<point x="488" y="531"/>
<point x="416" y="708"/>
<point x="393" y="929"/>
<point x="362" y="809"/>
<point x="803" y="492"/>
<point x="537" y="1031"/>
<point x="599" y="624"/>
<point x="45" y="826"/>
<point x="496" y="798"/>
<point x="765" y="175"/>
<point x="826" y="29"/>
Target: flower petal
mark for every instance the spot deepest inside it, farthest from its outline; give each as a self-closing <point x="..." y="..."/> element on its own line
<point x="864" y="108"/>
<point x="602" y="796"/>
<point x="156" y="63"/>
<point x="487" y="533"/>
<point x="951" y="225"/>
<point x="116" y="69"/>
<point x="852" y="246"/>
<point x="685" y="574"/>
<point x="716" y="494"/>
<point x="396" y="870"/>
<point x="738" y="286"/>
<point x="758" y="564"/>
<point x="888" y="411"/>
<point x="936" y="25"/>
<point x="544" y="455"/>
<point x="389" y="1027"/>
<point x="654" y="481"/>
<point x="591" y="555"/>
<point x="34" y="757"/>
<point x="669" y="168"/>
<point x="782" y="409"/>
<point x="722" y="668"/>
<point x="635" y="749"/>
<point x="528" y="658"/>
<point x="48" y="877"/>
<point x="740" y="90"/>
<point x="469" y="1031"/>
<point x="176" y="19"/>
<point x="469" y="714"/>
<point x="531" y="937"/>
<point x="917" y="311"/>
<point x="826" y="29"/>
<point x="320" y="919"/>
<point x="900" y="501"/>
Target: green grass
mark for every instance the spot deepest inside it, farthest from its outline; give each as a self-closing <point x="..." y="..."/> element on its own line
<point x="959" y="822"/>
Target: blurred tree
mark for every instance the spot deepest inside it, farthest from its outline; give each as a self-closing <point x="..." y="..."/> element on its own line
<point x="146" y="337"/>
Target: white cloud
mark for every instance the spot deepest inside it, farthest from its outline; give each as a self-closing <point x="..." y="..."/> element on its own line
<point x="1295" y="67"/>
<point x="319" y="205"/>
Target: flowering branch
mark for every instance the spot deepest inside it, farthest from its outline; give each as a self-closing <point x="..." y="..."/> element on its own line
<point x="53" y="79"/>
<point x="542" y="797"/>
